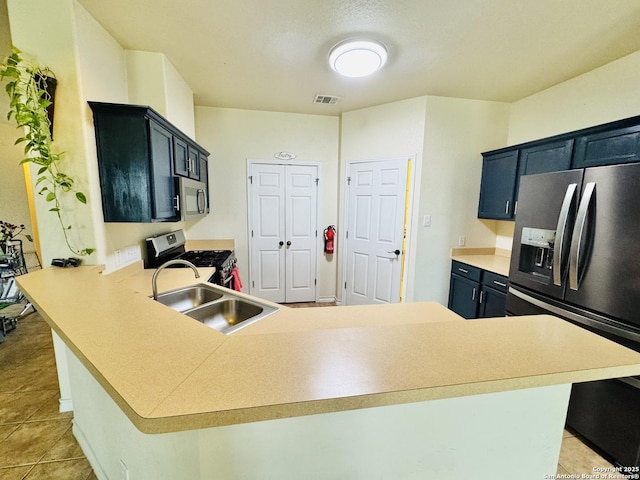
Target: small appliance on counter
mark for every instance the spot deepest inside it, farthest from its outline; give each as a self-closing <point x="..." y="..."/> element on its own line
<point x="171" y="246"/>
<point x="575" y="255"/>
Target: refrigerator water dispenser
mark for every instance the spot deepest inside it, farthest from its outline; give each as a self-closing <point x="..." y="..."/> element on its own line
<point x="536" y="253"/>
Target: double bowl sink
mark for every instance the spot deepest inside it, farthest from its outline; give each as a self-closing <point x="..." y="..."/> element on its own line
<point x="217" y="308"/>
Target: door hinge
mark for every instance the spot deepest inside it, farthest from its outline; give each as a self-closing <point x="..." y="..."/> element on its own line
<point x="317" y="181"/>
<point x="251" y="179"/>
<point x="315" y="281"/>
<point x="316" y="233"/>
<point x="348" y="180"/>
<point x="347" y="235"/>
<point x="251" y="233"/>
<point x="345" y="285"/>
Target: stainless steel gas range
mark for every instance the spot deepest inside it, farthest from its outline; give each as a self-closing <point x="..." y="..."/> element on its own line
<point x="171" y="246"/>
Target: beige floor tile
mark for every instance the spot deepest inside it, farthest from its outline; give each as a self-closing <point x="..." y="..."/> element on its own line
<point x="30" y="441"/>
<point x="577" y="458"/>
<point x="6" y="430"/>
<point x="562" y="471"/>
<point x="567" y="434"/>
<point x="18" y="407"/>
<point x="78" y="469"/>
<point x="50" y="409"/>
<point x="14" y="473"/>
<point x="65" y="448"/>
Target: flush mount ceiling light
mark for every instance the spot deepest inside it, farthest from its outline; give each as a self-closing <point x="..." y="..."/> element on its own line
<point x="357" y="58"/>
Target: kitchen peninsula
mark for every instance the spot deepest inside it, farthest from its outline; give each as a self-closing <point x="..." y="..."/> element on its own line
<point x="390" y="391"/>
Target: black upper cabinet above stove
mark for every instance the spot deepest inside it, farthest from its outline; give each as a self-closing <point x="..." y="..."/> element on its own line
<point x="137" y="152"/>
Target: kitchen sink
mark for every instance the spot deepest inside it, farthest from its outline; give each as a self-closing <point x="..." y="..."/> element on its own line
<point x="216" y="307"/>
<point x="189" y="297"/>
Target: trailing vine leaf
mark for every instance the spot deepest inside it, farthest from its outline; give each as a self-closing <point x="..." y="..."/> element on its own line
<point x="28" y="101"/>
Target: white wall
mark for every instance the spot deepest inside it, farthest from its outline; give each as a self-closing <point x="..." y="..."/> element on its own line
<point x="233" y="136"/>
<point x="56" y="46"/>
<point x="605" y="94"/>
<point x="154" y="81"/>
<point x="456" y="132"/>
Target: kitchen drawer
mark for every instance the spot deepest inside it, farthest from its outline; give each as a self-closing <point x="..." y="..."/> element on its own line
<point x="495" y="281"/>
<point x="466" y="271"/>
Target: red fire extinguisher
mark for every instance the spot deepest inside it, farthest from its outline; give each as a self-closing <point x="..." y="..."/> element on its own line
<point x="329" y="238"/>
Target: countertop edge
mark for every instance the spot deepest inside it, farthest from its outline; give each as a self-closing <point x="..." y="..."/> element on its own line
<point x="158" y="425"/>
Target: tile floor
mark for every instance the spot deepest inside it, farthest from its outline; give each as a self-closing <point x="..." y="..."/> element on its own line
<point x="36" y="442"/>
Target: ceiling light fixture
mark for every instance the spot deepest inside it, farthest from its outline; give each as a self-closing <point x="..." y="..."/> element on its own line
<point x="357" y="58"/>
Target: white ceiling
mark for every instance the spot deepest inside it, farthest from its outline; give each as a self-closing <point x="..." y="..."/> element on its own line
<point x="272" y="54"/>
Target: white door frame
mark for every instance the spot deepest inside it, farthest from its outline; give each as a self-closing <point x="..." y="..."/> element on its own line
<point x="319" y="245"/>
<point x="406" y="257"/>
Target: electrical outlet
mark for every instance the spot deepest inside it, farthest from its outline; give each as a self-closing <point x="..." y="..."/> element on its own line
<point x="132" y="253"/>
<point x="124" y="471"/>
<point x="120" y="258"/>
<point x="461" y="240"/>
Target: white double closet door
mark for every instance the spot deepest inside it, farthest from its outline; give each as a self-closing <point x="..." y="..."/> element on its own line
<point x="283" y="231"/>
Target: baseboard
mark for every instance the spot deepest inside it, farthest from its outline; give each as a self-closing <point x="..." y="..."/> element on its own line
<point x="66" y="404"/>
<point x="326" y="299"/>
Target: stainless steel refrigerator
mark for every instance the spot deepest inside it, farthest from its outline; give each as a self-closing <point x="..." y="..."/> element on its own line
<point x="576" y="255"/>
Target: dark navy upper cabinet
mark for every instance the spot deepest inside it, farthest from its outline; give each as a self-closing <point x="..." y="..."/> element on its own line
<point x="498" y="185"/>
<point x="140" y="155"/>
<point x="546" y="158"/>
<point x="608" y="148"/>
<point x="608" y="144"/>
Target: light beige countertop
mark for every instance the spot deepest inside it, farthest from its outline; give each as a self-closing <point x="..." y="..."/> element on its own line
<point x="170" y="373"/>
<point x="494" y="260"/>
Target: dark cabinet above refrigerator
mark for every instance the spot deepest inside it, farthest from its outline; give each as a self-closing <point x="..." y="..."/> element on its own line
<point x="608" y="144"/>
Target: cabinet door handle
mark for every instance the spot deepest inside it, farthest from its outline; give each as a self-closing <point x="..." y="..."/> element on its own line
<point x="481" y="296"/>
<point x="515" y="208"/>
<point x="473" y="294"/>
<point x="177" y="205"/>
<point x="463" y="270"/>
<point x="500" y="283"/>
<point x="506" y="208"/>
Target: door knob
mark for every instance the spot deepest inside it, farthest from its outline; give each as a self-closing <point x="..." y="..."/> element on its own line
<point x="289" y="243"/>
<point x="280" y="243"/>
<point x="396" y="251"/>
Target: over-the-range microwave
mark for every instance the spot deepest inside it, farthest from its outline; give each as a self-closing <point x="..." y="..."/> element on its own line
<point x="194" y="201"/>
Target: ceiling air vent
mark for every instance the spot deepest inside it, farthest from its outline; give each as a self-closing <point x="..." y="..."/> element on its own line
<point x="326" y="99"/>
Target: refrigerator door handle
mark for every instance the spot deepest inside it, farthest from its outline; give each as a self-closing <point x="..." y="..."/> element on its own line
<point x="561" y="232"/>
<point x="577" y="243"/>
<point x="632" y="381"/>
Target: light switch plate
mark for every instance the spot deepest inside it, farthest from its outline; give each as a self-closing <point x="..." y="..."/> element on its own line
<point x="426" y="221"/>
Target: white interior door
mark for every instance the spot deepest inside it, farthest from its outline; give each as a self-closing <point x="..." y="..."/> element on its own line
<point x="375" y="222"/>
<point x="283" y="229"/>
<point x="301" y="233"/>
<point x="267" y="230"/>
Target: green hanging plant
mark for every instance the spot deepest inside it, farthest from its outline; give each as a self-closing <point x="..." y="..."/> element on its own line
<point x="29" y="102"/>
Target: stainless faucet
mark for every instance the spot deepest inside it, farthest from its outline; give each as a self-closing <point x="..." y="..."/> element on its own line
<point x="154" y="279"/>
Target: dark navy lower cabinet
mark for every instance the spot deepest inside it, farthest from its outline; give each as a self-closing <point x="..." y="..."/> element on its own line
<point x="476" y="293"/>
